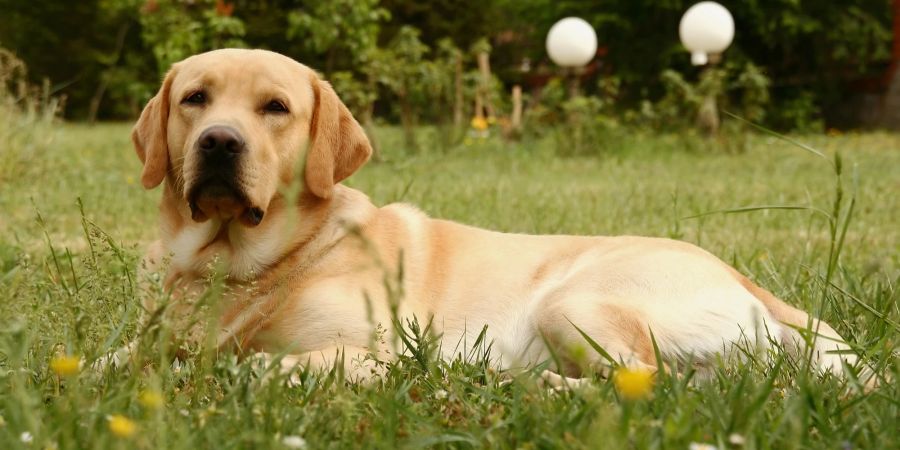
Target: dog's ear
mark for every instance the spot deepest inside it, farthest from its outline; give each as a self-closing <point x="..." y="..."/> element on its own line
<point x="338" y="144"/>
<point x="150" y="138"/>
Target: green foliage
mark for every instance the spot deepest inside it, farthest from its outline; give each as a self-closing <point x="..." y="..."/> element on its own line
<point x="743" y="91"/>
<point x="817" y="47"/>
<point x="581" y="124"/>
<point x="585" y="128"/>
<point x="445" y="61"/>
<point x="406" y="54"/>
<point x="753" y="85"/>
<point x="801" y="112"/>
<point x="342" y="27"/>
<point x="814" y="52"/>
<point x="411" y="78"/>
<point x="176" y="29"/>
<point x="354" y="93"/>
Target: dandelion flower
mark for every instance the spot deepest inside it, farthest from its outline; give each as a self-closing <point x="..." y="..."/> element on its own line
<point x="479" y="123"/>
<point x="122" y="426"/>
<point x="151" y="399"/>
<point x="633" y="384"/>
<point x="294" y="442"/>
<point x="65" y="366"/>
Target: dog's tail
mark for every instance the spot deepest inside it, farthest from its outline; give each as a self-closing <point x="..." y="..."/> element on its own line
<point x="800" y="331"/>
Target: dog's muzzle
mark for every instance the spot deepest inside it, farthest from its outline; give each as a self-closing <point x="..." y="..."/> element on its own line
<point x="217" y="191"/>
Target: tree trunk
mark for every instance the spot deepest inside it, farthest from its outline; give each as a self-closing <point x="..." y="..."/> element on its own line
<point x="708" y="116"/>
<point x="479" y="105"/>
<point x="97" y="98"/>
<point x="890" y="106"/>
<point x="407" y="119"/>
<point x="516" y="120"/>
<point x="484" y="66"/>
<point x="458" y="94"/>
<point x="574" y="76"/>
<point x="94" y="106"/>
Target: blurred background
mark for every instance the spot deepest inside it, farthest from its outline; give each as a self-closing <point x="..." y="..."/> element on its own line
<point x="795" y="65"/>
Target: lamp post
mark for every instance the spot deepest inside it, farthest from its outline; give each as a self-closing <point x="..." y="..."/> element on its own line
<point x="706" y="30"/>
<point x="571" y="44"/>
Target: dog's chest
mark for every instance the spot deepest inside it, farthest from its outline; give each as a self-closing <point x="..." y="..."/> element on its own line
<point x="207" y="247"/>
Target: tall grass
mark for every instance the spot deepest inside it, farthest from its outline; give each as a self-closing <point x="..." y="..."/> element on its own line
<point x="68" y="287"/>
<point x="26" y="119"/>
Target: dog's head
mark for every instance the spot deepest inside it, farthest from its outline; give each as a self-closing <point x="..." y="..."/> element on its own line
<point x="229" y="128"/>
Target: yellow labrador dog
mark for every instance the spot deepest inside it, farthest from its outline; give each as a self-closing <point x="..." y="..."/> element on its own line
<point x="225" y="136"/>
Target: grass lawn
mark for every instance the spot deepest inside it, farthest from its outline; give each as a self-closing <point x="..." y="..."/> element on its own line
<point x="67" y="288"/>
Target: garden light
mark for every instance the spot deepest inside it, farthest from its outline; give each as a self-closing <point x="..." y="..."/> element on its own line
<point x="571" y="42"/>
<point x="706" y="28"/>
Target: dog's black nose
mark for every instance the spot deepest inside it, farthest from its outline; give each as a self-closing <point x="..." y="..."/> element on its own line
<point x="222" y="140"/>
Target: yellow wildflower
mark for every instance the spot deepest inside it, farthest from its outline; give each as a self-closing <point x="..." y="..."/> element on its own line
<point x="479" y="123"/>
<point x="122" y="426"/>
<point x="633" y="384"/>
<point x="151" y="399"/>
<point x="66" y="365"/>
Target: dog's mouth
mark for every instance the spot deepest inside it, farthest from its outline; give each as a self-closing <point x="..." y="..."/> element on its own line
<point x="220" y="198"/>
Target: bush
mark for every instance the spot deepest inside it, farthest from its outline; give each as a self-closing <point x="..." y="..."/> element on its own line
<point x="581" y="124"/>
<point x="742" y="90"/>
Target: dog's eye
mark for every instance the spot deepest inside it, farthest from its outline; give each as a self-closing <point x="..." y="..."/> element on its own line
<point x="195" y="98"/>
<point x="275" y="106"/>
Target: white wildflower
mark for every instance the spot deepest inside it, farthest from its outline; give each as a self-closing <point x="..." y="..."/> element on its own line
<point x="26" y="437"/>
<point x="701" y="446"/>
<point x="736" y="439"/>
<point x="294" y="442"/>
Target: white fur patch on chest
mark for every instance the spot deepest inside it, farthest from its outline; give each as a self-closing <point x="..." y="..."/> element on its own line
<point x="186" y="245"/>
<point x="243" y="254"/>
<point x="251" y="253"/>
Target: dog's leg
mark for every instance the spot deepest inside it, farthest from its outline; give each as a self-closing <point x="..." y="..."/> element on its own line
<point x="558" y="382"/>
<point x="356" y="364"/>
<point x="151" y="266"/>
<point x="802" y="333"/>
<point x="183" y="289"/>
<point x="619" y="331"/>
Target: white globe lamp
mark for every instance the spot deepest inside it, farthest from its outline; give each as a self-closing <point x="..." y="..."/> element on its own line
<point x="571" y="42"/>
<point x="706" y="28"/>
